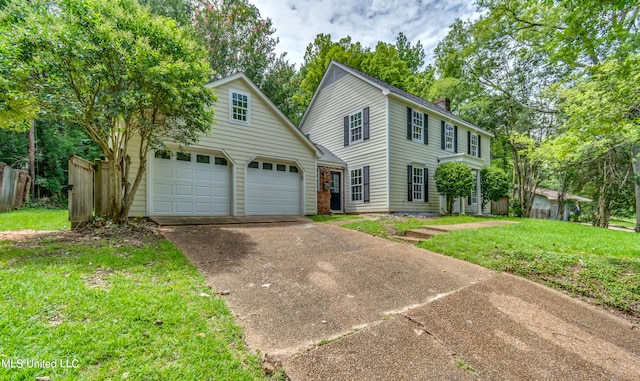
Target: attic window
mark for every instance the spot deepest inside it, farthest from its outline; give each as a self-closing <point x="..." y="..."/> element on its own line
<point x="239" y="107"/>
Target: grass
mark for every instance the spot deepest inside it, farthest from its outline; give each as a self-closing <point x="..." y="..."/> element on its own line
<point x="116" y="311"/>
<point x="624" y="222"/>
<point x="602" y="266"/>
<point x="333" y="217"/>
<point x="35" y="219"/>
<point x="387" y="226"/>
<point x="598" y="265"/>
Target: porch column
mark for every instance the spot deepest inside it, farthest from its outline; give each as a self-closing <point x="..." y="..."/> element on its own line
<point x="478" y="193"/>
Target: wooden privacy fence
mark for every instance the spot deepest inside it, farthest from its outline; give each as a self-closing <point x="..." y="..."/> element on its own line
<point x="500" y="207"/>
<point x="14" y="187"/>
<point x="80" y="191"/>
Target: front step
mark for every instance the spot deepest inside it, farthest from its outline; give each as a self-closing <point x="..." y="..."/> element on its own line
<point x="404" y="238"/>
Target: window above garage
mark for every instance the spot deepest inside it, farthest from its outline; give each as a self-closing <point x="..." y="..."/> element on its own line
<point x="239" y="107"/>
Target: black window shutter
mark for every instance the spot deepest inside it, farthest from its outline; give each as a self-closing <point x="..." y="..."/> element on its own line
<point x="479" y="145"/>
<point x="468" y="142"/>
<point x="409" y="123"/>
<point x="365" y="123"/>
<point x="442" y="135"/>
<point x="425" y="130"/>
<point x="425" y="181"/>
<point x="469" y="200"/>
<point x="455" y="139"/>
<point x="410" y="183"/>
<point x="365" y="183"/>
<point x="346" y="130"/>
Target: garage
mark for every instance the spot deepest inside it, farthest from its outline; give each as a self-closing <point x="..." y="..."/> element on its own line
<point x="189" y="184"/>
<point x="273" y="189"/>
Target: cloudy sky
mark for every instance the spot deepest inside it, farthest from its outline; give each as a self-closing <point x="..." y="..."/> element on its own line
<point x="297" y="22"/>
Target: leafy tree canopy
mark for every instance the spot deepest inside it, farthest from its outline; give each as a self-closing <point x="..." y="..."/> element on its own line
<point x="494" y="184"/>
<point x="453" y="180"/>
<point x="121" y="73"/>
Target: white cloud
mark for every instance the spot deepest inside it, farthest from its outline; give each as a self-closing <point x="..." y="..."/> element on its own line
<point x="297" y="22"/>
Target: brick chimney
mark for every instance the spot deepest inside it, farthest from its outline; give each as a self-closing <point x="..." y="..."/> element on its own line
<point x="444" y="103"/>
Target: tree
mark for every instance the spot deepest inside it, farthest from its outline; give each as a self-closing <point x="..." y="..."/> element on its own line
<point x="494" y="184"/>
<point x="595" y="42"/>
<point x="453" y="180"/>
<point x="130" y="79"/>
<point x="179" y="10"/>
<point x="237" y="39"/>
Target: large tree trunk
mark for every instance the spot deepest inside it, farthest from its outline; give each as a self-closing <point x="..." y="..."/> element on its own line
<point x="635" y="163"/>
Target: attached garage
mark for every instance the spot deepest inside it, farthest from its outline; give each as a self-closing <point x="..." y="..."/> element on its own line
<point x="189" y="184"/>
<point x="273" y="189"/>
<point x="254" y="161"/>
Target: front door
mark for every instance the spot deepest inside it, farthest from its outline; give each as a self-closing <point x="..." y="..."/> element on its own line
<point x="336" y="199"/>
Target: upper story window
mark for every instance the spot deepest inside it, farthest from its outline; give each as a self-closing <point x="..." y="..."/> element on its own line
<point x="449" y="136"/>
<point x="239" y="107"/>
<point x="417" y="126"/>
<point x="355" y="127"/>
<point x="473" y="145"/>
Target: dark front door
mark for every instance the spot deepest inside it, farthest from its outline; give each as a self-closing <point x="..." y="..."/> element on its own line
<point x="336" y="199"/>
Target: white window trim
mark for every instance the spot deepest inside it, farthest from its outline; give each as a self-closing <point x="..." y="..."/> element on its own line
<point x="474" y="145"/>
<point x="351" y="193"/>
<point x="414" y="126"/>
<point x="449" y="137"/>
<point x="355" y="141"/>
<point x="419" y="198"/>
<point x="231" y="119"/>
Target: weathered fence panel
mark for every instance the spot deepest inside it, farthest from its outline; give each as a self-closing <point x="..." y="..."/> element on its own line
<point x="8" y="187"/>
<point x="500" y="207"/>
<point x="101" y="194"/>
<point x="80" y="191"/>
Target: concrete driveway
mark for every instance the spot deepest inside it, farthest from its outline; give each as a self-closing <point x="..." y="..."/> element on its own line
<point x="334" y="304"/>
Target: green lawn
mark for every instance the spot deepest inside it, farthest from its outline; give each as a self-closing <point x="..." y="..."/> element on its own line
<point x="333" y="217"/>
<point x="136" y="311"/>
<point x="599" y="265"/>
<point x="35" y="219"/>
<point x="387" y="226"/>
<point x="624" y="222"/>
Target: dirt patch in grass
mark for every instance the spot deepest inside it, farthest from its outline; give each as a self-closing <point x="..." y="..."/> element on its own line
<point x="21" y="235"/>
<point x="99" y="279"/>
<point x="100" y="233"/>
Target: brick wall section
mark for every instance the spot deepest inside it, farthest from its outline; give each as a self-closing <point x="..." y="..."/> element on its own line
<point x="324" y="195"/>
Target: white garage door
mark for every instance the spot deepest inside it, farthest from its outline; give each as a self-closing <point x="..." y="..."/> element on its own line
<point x="272" y="189"/>
<point x="189" y="184"/>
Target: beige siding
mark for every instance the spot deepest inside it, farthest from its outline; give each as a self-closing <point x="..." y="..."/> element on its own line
<point x="138" y="208"/>
<point x="404" y="152"/>
<point x="324" y="122"/>
<point x="267" y="137"/>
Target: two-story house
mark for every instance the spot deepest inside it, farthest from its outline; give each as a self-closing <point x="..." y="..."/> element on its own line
<point x="391" y="142"/>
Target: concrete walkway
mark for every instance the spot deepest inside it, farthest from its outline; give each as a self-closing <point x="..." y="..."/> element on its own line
<point x="330" y="303"/>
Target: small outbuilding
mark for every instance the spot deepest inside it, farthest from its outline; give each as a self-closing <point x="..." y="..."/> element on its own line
<point x="545" y="204"/>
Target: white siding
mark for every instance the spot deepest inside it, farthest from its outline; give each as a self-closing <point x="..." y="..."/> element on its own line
<point x="267" y="137"/>
<point x="324" y="122"/>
